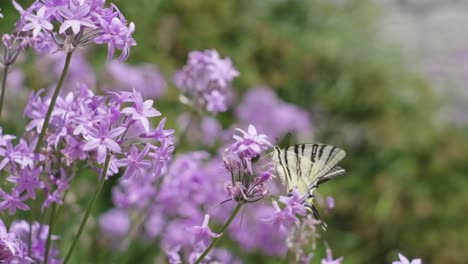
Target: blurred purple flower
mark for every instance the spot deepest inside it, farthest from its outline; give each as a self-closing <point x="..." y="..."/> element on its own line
<point x="115" y="223"/>
<point x="203" y="233"/>
<point x="270" y="114"/>
<point x="283" y="218"/>
<point x="330" y="202"/>
<point x="405" y="260"/>
<point x="12" y="249"/>
<point x="12" y="202"/>
<point x="145" y="78"/>
<point x="206" y="80"/>
<point x="38" y="240"/>
<point x="330" y="260"/>
<point x="28" y="181"/>
<point x="294" y="202"/>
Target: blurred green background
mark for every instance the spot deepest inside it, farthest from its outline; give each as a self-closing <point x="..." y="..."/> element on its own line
<point x="407" y="185"/>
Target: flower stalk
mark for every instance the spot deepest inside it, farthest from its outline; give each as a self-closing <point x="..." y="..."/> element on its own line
<point x="222" y="231"/>
<point x="4" y="79"/>
<point x="66" y="66"/>
<point x="102" y="179"/>
<point x="49" y="234"/>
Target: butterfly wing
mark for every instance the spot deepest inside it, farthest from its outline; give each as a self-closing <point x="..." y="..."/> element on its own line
<point x="289" y="169"/>
<point x="308" y="164"/>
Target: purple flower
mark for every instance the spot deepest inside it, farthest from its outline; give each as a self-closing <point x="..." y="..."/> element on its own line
<point x="405" y="260"/>
<point x="215" y="102"/>
<point x="80" y="23"/>
<point x="206" y="80"/>
<point x="135" y="162"/>
<point x="146" y="78"/>
<point x="203" y="233"/>
<point x="262" y="107"/>
<point x="115" y="223"/>
<point x="37" y="22"/>
<point x="250" y="144"/>
<point x="103" y="139"/>
<point x="12" y="249"/>
<point x="37" y="239"/>
<point x="330" y="260"/>
<point x="76" y="16"/>
<point x="27" y="181"/>
<point x="330" y="201"/>
<point x="12" y="202"/>
<point x="117" y="36"/>
<point x="173" y="255"/>
<point x="282" y="218"/>
<point x="140" y="111"/>
<point x="295" y="202"/>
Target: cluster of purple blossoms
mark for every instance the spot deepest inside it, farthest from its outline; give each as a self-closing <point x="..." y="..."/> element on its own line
<point x="206" y="81"/>
<point x="145" y="78"/>
<point x="167" y="206"/>
<point x="262" y="107"/>
<point x="114" y="128"/>
<point x="15" y="243"/>
<point x="68" y="24"/>
<point x="247" y="184"/>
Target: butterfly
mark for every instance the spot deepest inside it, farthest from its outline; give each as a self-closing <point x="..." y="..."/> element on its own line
<point x="306" y="166"/>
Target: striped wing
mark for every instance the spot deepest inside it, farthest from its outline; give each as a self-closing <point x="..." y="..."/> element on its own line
<point x="290" y="169"/>
<point x="308" y="165"/>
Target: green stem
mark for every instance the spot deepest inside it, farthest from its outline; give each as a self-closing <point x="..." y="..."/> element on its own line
<point x="187" y="127"/>
<point x="2" y="96"/>
<point x="90" y="208"/>
<point x="49" y="233"/>
<point x="53" y="101"/>
<point x="223" y="229"/>
<point x="140" y="219"/>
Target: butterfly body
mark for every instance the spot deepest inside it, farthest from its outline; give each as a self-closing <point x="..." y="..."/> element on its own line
<point x="306" y="166"/>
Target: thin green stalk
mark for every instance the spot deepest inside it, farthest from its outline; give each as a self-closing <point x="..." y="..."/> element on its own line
<point x="49" y="233"/>
<point x="189" y="123"/>
<point x="223" y="229"/>
<point x="102" y="179"/>
<point x="53" y="101"/>
<point x="2" y="96"/>
<point x="30" y="234"/>
<point x="141" y="218"/>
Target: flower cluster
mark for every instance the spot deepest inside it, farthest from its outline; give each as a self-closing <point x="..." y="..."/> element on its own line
<point x="206" y="81"/>
<point x="145" y="78"/>
<point x="14" y="244"/>
<point x="262" y="107"/>
<point x="72" y="23"/>
<point x="114" y="128"/>
<point x="247" y="184"/>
